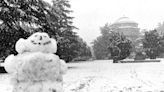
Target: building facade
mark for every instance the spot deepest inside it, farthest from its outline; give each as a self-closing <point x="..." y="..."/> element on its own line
<point x="127" y="27"/>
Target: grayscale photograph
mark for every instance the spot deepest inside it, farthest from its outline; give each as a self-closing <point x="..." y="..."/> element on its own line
<point x="81" y="46"/>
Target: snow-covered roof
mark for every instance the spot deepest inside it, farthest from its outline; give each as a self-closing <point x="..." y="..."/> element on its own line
<point x="124" y="20"/>
<point x="127" y="27"/>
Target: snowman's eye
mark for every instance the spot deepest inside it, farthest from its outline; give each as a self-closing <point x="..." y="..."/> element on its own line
<point x="33" y="42"/>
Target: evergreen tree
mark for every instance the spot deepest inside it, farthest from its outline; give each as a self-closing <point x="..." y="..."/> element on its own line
<point x="160" y="28"/>
<point x="84" y="52"/>
<point x="100" y="45"/>
<point x="84" y="49"/>
<point x="111" y="43"/>
<point x="21" y="18"/>
<point x="120" y="47"/>
<point x="152" y="43"/>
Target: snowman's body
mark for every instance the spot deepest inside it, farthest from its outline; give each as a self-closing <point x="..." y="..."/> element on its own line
<point x="45" y="86"/>
<point x="36" y="68"/>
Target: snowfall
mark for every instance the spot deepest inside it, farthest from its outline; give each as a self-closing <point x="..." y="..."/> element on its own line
<point x="105" y="76"/>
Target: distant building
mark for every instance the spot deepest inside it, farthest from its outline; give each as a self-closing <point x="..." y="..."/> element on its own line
<point x="127" y="27"/>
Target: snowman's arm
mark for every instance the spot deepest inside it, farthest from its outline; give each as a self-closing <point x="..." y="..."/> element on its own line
<point x="53" y="46"/>
<point x="9" y="64"/>
<point x="21" y="46"/>
<point x="63" y="66"/>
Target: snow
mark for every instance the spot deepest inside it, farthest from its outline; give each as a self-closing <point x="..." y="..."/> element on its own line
<point x="104" y="76"/>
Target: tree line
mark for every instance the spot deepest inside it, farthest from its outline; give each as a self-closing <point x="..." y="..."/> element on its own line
<point x="114" y="45"/>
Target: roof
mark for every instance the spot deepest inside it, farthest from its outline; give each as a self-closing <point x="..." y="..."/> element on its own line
<point x="124" y="20"/>
<point x="127" y="27"/>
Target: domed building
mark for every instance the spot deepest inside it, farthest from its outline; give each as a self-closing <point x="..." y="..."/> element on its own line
<point x="128" y="27"/>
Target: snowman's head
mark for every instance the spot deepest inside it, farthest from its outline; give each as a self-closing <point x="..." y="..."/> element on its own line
<point x="39" y="39"/>
<point x="37" y="42"/>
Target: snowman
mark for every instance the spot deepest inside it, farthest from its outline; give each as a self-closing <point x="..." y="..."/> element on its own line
<point x="36" y="68"/>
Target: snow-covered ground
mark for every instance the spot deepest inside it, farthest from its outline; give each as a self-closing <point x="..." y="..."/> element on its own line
<point x="104" y="76"/>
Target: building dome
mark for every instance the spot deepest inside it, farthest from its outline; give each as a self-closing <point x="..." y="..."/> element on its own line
<point x="126" y="26"/>
<point x="124" y="20"/>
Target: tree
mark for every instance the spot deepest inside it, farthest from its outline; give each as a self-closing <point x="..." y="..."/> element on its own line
<point x="70" y="46"/>
<point x="100" y="45"/>
<point x="111" y="43"/>
<point x="120" y="47"/>
<point x="84" y="51"/>
<point x="160" y="28"/>
<point x="21" y="18"/>
<point x="152" y="43"/>
<point x="10" y="31"/>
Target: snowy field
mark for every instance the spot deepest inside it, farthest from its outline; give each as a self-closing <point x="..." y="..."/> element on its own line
<point x="104" y="76"/>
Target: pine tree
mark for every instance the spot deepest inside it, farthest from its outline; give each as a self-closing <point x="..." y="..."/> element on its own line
<point x="152" y="44"/>
<point x="21" y="18"/>
<point x="100" y="45"/>
<point x="120" y="46"/>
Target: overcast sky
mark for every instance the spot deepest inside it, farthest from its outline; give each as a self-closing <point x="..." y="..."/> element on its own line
<point x="90" y="15"/>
